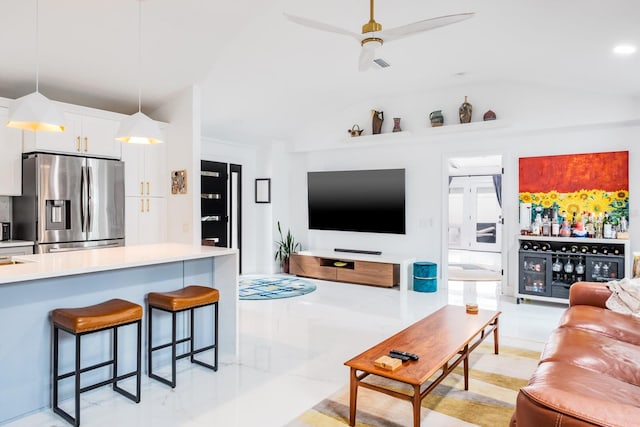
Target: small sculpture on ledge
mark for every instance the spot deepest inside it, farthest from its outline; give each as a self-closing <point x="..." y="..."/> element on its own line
<point x="465" y="111"/>
<point x="396" y="125"/>
<point x="436" y="118"/>
<point x="355" y="130"/>
<point x="489" y="115"/>
<point x="377" y="119"/>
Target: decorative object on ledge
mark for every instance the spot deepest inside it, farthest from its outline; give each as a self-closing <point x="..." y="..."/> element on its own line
<point x="437" y="119"/>
<point x="263" y="190"/>
<point x="465" y="111"/>
<point x="377" y="119"/>
<point x="179" y="182"/>
<point x="489" y="115"/>
<point x="396" y="124"/>
<point x="355" y="130"/>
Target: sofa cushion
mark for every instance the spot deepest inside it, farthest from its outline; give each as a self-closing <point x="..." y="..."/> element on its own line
<point x="616" y="325"/>
<point x="596" y="352"/>
<point x="562" y="394"/>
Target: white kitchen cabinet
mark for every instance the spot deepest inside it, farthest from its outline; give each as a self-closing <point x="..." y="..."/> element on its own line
<point x="145" y="170"/>
<point x="10" y="157"/>
<point x="6" y="251"/>
<point x="84" y="134"/>
<point x="145" y="220"/>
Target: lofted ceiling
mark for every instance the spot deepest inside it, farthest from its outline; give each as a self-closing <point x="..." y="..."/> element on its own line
<point x="263" y="77"/>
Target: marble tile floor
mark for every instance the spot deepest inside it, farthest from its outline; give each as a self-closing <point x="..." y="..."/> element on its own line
<point x="292" y="353"/>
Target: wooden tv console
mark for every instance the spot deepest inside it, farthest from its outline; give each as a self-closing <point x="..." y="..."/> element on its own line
<point x="364" y="269"/>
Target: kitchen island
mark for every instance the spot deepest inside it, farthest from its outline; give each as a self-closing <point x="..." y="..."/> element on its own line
<point x="37" y="284"/>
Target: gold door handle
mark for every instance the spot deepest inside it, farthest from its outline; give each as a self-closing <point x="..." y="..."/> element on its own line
<point x="141" y="205"/>
<point x="147" y="205"/>
<point x="148" y="188"/>
<point x="141" y="188"/>
<point x="78" y="144"/>
<point x="86" y="144"/>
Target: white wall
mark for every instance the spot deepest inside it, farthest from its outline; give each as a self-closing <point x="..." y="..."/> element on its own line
<point x="183" y="113"/>
<point x="541" y="121"/>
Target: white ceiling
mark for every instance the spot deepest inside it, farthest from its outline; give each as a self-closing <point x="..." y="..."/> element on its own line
<point x="262" y="76"/>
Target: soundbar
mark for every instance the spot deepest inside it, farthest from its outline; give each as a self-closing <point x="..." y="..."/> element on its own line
<point x="358" y="251"/>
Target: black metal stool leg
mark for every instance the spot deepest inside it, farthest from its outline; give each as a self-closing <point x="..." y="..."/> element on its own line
<point x="77" y="380"/>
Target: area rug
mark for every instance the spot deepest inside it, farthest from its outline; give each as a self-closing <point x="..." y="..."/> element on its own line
<point x="494" y="381"/>
<point x="273" y="287"/>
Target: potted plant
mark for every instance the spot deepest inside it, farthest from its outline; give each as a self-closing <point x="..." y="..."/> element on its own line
<point x="285" y="247"/>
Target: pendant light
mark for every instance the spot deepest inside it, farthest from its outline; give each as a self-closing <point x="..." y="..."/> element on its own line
<point x="139" y="128"/>
<point x="35" y="112"/>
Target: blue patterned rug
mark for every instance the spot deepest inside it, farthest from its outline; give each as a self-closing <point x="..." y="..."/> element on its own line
<point x="273" y="287"/>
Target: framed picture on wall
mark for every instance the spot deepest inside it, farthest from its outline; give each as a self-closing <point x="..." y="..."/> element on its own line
<point x="263" y="190"/>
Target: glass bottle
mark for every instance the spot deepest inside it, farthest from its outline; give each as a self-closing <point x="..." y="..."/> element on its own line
<point x="568" y="266"/>
<point x="606" y="227"/>
<point x="599" y="226"/>
<point x="546" y="226"/>
<point x="555" y="225"/>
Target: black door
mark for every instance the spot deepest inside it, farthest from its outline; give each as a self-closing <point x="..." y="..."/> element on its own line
<point x="213" y="206"/>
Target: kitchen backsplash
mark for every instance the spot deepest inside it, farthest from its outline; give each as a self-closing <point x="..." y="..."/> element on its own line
<point x="5" y="208"/>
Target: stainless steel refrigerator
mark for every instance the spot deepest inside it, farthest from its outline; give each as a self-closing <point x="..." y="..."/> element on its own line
<point x="70" y="203"/>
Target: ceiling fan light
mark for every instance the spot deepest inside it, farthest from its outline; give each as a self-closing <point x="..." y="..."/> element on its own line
<point x="35" y="112"/>
<point x="139" y="128"/>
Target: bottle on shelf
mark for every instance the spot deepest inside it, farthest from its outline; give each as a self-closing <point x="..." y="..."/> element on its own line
<point x="555" y="225"/>
<point x="590" y="227"/>
<point x="604" y="250"/>
<point x="606" y="227"/>
<point x="599" y="225"/>
<point x="546" y="226"/>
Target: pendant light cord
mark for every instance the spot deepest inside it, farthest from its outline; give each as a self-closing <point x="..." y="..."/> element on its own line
<point x="139" y="56"/>
<point x="37" y="45"/>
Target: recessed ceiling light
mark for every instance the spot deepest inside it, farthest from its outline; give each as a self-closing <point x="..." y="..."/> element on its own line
<point x="624" y="49"/>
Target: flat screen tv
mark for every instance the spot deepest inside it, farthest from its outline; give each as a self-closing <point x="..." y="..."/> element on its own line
<point x="358" y="200"/>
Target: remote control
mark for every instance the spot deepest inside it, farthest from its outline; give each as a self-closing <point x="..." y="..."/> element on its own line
<point x="406" y="354"/>
<point x="399" y="356"/>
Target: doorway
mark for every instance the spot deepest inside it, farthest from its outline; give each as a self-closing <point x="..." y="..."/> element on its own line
<point x="221" y="205"/>
<point x="475" y="222"/>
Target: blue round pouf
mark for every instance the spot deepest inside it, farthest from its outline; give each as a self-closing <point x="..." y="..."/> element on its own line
<point x="425" y="277"/>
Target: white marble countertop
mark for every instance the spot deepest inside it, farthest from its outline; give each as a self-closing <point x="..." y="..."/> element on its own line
<point x="14" y="243"/>
<point x="42" y="266"/>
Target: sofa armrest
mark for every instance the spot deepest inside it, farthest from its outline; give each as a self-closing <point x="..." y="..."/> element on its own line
<point x="589" y="293"/>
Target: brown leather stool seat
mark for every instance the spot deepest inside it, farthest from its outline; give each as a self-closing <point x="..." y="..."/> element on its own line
<point x="109" y="315"/>
<point x="182" y="299"/>
<point x="188" y="298"/>
<point x="94" y="317"/>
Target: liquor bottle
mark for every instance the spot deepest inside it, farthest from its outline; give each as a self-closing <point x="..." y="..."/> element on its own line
<point x="555" y="225"/>
<point x="616" y="250"/>
<point x="604" y="250"/>
<point x="599" y="226"/>
<point x="606" y="227"/>
<point x="590" y="227"/>
<point x="546" y="226"/>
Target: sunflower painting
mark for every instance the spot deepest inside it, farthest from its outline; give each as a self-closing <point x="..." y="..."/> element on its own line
<point x="594" y="183"/>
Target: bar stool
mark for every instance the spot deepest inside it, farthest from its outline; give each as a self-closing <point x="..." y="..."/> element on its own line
<point x="188" y="298"/>
<point x="109" y="315"/>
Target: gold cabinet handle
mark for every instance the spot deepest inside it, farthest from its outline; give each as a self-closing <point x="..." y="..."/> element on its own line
<point x="141" y="205"/>
<point x="147" y="205"/>
<point x="141" y="188"/>
<point x="86" y="144"/>
<point x="148" y="188"/>
<point x="78" y="144"/>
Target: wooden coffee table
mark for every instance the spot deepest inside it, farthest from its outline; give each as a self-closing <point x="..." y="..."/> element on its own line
<point x="442" y="340"/>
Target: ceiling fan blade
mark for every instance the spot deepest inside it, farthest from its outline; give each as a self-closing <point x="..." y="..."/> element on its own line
<point x="420" y="26"/>
<point x="367" y="53"/>
<point x="321" y="26"/>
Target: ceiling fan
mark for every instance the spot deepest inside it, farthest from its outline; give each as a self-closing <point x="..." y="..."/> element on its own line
<point x="372" y="35"/>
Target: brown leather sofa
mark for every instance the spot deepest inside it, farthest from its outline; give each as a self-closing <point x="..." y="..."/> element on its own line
<point x="589" y="371"/>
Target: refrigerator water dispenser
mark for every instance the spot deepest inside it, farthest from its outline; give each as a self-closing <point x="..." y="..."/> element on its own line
<point x="58" y="214"/>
